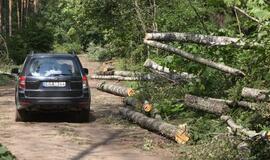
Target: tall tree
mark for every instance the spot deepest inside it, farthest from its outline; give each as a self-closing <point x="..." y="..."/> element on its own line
<point x="10" y="17"/>
<point x="1" y="10"/>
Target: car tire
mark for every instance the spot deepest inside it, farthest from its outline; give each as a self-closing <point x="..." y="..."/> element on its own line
<point x="21" y="116"/>
<point x="82" y="116"/>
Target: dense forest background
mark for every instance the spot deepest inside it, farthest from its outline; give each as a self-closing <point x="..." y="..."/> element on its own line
<point x="107" y="29"/>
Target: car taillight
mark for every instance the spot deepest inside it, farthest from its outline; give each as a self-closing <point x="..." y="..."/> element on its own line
<point x="22" y="82"/>
<point x="84" y="81"/>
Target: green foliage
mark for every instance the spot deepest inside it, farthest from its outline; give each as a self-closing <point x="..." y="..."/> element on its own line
<point x="34" y="37"/>
<point x="5" y="154"/>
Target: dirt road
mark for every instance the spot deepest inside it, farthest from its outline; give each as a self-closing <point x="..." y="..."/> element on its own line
<point x="107" y="136"/>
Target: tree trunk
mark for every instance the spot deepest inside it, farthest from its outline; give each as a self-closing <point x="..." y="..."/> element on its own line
<point x="244" y="132"/>
<point x="120" y="78"/>
<point x="146" y="106"/>
<point x="179" y="134"/>
<point x="120" y="73"/>
<point x="35" y="4"/>
<point x="10" y="17"/>
<point x="205" y="104"/>
<point x="18" y="14"/>
<point x="116" y="90"/>
<point x="257" y="94"/>
<point x="244" y="104"/>
<point x="166" y="73"/>
<point x="1" y="16"/>
<point x="209" y="63"/>
<point x="191" y="37"/>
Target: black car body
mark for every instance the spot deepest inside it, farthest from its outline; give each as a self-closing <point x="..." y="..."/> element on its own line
<point x="52" y="83"/>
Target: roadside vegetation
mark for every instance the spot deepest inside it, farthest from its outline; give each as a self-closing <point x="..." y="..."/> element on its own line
<point x="108" y="29"/>
<point x="5" y="154"/>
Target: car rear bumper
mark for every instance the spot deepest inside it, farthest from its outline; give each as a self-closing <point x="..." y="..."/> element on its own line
<point x="54" y="104"/>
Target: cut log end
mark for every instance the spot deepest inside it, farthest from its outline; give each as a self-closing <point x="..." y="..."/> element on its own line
<point x="147" y="107"/>
<point x="130" y="92"/>
<point x="181" y="135"/>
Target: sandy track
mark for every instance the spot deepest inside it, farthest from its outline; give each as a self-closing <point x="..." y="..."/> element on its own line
<point x="105" y="137"/>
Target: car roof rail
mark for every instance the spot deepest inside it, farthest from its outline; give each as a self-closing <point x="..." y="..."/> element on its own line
<point x="72" y="52"/>
<point x="32" y="53"/>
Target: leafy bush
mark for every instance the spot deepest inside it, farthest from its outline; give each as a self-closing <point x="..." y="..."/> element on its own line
<point x="5" y="154"/>
<point x="98" y="52"/>
<point x="67" y="47"/>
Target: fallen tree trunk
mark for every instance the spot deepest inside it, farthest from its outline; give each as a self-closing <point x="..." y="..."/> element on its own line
<point x="120" y="73"/>
<point x="7" y="74"/>
<point x="116" y="90"/>
<point x="244" y="104"/>
<point x="179" y="134"/>
<point x="127" y="73"/>
<point x="166" y="73"/>
<point x="257" y="94"/>
<point x="244" y="132"/>
<point x="189" y="56"/>
<point x="195" y="38"/>
<point x="105" y="73"/>
<point x="121" y="78"/>
<point x="205" y="104"/>
<point x="146" y="106"/>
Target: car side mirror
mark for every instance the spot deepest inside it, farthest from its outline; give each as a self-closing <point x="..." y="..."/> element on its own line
<point x="85" y="71"/>
<point x="15" y="71"/>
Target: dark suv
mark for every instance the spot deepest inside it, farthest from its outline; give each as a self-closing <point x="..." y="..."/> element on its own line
<point x="52" y="83"/>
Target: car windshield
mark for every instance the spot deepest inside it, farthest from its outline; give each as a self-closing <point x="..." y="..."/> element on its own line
<point x="52" y="66"/>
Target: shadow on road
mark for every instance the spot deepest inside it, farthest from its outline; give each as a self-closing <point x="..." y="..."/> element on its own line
<point x="90" y="149"/>
<point x="70" y="117"/>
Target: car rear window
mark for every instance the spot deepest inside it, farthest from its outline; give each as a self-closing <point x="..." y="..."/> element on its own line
<point x="52" y="66"/>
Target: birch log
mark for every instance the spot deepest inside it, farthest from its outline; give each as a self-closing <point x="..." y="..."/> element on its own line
<point x="127" y="73"/>
<point x="116" y="90"/>
<point x="244" y="132"/>
<point x="147" y="77"/>
<point x="7" y="74"/>
<point x="191" y="37"/>
<point x="145" y="106"/>
<point x="179" y="134"/>
<point x="244" y="104"/>
<point x="257" y="94"/>
<point x="195" y="58"/>
<point x="205" y="104"/>
<point x="120" y="73"/>
<point x="166" y="73"/>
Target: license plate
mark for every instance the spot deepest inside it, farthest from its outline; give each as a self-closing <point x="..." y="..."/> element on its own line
<point x="54" y="84"/>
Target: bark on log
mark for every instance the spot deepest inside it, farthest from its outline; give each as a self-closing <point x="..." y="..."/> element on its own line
<point x="244" y="104"/>
<point x="205" y="104"/>
<point x="257" y="94"/>
<point x="116" y="90"/>
<point x="8" y="74"/>
<point x="189" y="56"/>
<point x="166" y="73"/>
<point x="105" y="73"/>
<point x="127" y="73"/>
<point x="194" y="38"/>
<point x="145" y="107"/>
<point x="244" y="132"/>
<point x="179" y="134"/>
<point x="147" y="77"/>
<point x="120" y="73"/>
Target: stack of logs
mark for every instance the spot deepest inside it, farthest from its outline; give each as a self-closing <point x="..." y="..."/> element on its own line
<point x="177" y="133"/>
<point x="221" y="107"/>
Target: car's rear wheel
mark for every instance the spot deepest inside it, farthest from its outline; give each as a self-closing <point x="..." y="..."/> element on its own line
<point x="21" y="116"/>
<point x="82" y="116"/>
